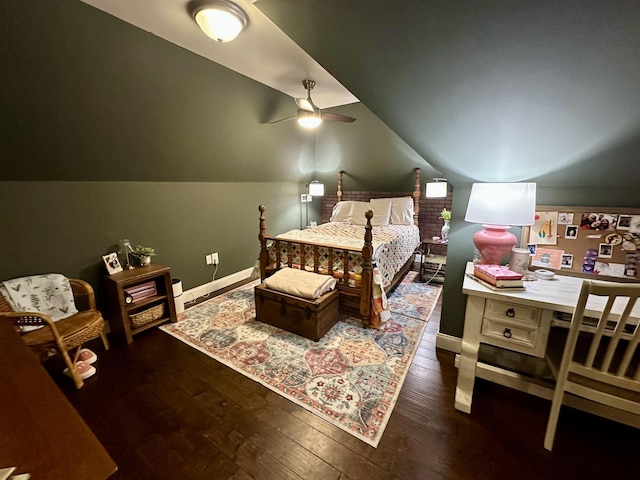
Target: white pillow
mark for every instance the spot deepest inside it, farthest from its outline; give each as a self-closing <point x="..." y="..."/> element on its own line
<point x="341" y="211"/>
<point x="381" y="212"/>
<point x="401" y="210"/>
<point x="358" y="209"/>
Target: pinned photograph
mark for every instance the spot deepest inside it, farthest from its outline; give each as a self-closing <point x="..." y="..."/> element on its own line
<point x="571" y="232"/>
<point x="605" y="250"/>
<point x="567" y="261"/>
<point x="631" y="265"/>
<point x="532" y="248"/>
<point x="624" y="222"/>
<point x="112" y="263"/>
<point x="598" y="221"/>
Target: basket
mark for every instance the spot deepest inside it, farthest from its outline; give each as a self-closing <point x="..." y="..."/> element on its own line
<point x="147" y="316"/>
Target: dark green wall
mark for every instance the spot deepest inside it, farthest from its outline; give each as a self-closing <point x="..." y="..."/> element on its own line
<point x="67" y="226"/>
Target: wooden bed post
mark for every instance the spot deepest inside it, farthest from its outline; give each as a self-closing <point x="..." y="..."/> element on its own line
<point x="264" y="254"/>
<point x="367" y="270"/>
<point x="339" y="193"/>
<point x="416" y="199"/>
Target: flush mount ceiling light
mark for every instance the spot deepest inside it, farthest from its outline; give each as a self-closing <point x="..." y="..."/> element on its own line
<point x="220" y="20"/>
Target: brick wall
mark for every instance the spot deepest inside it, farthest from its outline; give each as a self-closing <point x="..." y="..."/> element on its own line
<point x="428" y="217"/>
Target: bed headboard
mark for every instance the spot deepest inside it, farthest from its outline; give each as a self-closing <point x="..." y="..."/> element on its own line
<point x="426" y="210"/>
<point x="329" y="200"/>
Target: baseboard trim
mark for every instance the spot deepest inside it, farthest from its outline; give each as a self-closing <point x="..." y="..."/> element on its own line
<point x="208" y="288"/>
<point x="448" y="342"/>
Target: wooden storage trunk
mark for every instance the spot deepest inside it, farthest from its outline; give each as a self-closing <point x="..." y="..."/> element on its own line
<point x="309" y="318"/>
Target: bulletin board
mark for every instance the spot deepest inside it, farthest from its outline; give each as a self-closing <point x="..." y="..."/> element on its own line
<point x="585" y="241"/>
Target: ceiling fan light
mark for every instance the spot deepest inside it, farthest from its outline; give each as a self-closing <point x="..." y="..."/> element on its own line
<point x="309" y="119"/>
<point x="221" y="20"/>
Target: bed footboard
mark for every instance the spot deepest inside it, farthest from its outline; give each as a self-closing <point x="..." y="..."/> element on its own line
<point x="350" y="290"/>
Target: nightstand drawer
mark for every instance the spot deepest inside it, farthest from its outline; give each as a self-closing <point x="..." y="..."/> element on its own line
<point x="512" y="312"/>
<point x="515" y="336"/>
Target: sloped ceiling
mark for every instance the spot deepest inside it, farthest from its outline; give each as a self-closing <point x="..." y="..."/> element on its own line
<point x="489" y="91"/>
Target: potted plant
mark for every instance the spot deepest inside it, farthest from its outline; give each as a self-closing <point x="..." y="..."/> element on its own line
<point x="144" y="254"/>
<point x="446" y="216"/>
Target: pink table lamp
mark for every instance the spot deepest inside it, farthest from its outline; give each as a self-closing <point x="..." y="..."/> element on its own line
<point x="498" y="206"/>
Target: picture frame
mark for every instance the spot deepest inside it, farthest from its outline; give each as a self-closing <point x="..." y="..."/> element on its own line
<point x="567" y="260"/>
<point x="112" y="263"/>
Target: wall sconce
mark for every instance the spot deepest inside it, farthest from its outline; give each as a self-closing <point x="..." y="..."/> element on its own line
<point x="498" y="206"/>
<point x="437" y="188"/>
<point x="314" y="189"/>
<point x="220" y="20"/>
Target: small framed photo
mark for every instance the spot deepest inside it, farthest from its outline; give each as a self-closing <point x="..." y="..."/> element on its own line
<point x="571" y="232"/>
<point x="567" y="261"/>
<point x="112" y="263"/>
<point x="532" y="247"/>
<point x="605" y="250"/>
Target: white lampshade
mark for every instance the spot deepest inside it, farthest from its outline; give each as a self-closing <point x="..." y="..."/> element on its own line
<point x="437" y="188"/>
<point x="316" y="189"/>
<point x="221" y="20"/>
<point x="502" y="203"/>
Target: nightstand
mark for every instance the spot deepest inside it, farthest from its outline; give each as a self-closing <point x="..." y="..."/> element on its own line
<point x="139" y="299"/>
<point x="433" y="260"/>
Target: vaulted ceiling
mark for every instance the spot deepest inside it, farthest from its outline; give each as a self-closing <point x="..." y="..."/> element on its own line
<point x="489" y="91"/>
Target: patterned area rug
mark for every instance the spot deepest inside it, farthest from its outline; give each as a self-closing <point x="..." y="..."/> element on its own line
<point x="350" y="378"/>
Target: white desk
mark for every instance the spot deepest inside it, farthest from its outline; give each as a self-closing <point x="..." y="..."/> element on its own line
<point x="516" y="321"/>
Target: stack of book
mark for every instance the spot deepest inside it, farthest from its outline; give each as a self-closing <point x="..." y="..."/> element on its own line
<point x="140" y="292"/>
<point x="497" y="277"/>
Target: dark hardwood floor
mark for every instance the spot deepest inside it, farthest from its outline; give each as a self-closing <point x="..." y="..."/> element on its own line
<point x="166" y="411"/>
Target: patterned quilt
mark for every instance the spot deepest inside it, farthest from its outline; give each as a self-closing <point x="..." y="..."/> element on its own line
<point x="393" y="245"/>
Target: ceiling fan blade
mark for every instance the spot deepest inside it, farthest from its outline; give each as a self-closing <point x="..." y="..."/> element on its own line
<point x="284" y="119"/>
<point x="304" y="104"/>
<point x="336" y="117"/>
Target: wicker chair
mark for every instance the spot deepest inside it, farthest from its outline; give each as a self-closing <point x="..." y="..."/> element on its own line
<point x="66" y="334"/>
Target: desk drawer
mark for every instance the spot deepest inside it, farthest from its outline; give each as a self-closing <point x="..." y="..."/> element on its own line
<point x="515" y="336"/>
<point x="512" y="312"/>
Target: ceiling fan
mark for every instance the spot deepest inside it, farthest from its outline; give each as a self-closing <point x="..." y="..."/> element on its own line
<point x="309" y="115"/>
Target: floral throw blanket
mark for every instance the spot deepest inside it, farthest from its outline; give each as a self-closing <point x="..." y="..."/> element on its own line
<point x="49" y="294"/>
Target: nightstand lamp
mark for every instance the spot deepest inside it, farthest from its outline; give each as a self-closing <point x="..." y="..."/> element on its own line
<point x="498" y="206"/>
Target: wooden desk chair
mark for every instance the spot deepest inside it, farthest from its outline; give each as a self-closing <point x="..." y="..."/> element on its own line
<point x="66" y="334"/>
<point x="600" y="363"/>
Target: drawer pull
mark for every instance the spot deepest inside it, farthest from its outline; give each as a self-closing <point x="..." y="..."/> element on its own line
<point x="507" y="333"/>
<point x="510" y="313"/>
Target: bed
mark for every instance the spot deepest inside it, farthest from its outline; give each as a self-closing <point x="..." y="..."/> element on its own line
<point x="367" y="246"/>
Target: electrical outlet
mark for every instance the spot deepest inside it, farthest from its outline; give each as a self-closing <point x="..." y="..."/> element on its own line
<point x="214" y="258"/>
<point x="208" y="259"/>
